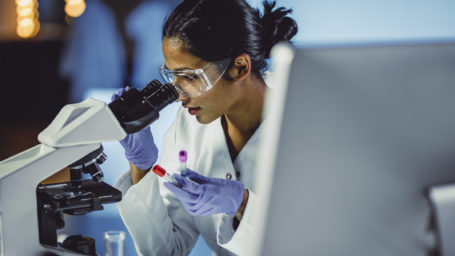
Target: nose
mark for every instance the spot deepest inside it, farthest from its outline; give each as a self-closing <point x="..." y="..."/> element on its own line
<point x="185" y="100"/>
<point x="182" y="97"/>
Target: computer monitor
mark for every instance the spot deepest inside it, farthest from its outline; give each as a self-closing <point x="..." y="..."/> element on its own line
<point x="355" y="137"/>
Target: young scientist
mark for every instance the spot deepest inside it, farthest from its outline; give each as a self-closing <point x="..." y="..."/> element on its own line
<point x="215" y="53"/>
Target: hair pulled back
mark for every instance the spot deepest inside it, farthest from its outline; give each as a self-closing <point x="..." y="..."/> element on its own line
<point x="219" y="29"/>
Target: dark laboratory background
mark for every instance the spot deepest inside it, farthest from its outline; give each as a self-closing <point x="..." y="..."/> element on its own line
<point x="50" y="56"/>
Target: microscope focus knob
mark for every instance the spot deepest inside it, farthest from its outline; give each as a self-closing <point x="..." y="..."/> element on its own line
<point x="81" y="244"/>
<point x="101" y="158"/>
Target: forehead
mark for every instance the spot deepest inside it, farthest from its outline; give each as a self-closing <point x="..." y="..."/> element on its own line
<point x="177" y="56"/>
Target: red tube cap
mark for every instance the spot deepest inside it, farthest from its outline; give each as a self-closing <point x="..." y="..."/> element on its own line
<point x="158" y="170"/>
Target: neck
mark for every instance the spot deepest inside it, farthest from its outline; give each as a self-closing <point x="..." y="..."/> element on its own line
<point x="245" y="116"/>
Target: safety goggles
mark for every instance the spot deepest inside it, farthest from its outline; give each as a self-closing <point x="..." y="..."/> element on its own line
<point x="193" y="82"/>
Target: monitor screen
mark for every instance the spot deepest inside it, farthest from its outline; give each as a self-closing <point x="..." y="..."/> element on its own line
<point x="355" y="136"/>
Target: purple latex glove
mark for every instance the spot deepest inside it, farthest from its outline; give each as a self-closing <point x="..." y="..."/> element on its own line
<point x="140" y="149"/>
<point x="207" y="196"/>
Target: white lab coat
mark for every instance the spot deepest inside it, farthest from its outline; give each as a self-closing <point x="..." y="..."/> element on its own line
<point x="160" y="225"/>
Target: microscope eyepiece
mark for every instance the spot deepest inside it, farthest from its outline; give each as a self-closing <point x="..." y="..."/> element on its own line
<point x="136" y="109"/>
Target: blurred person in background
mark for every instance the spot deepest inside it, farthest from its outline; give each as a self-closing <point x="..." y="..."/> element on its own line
<point x="113" y="44"/>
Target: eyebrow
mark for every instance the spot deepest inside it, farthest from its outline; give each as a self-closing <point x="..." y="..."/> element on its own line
<point x="178" y="69"/>
<point x="183" y="68"/>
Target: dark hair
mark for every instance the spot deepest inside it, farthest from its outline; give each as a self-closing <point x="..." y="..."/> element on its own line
<point x="219" y="29"/>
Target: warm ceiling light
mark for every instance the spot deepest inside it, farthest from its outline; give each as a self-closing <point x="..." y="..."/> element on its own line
<point x="26" y="27"/>
<point x="37" y="28"/>
<point x="74" y="2"/>
<point x="27" y="18"/>
<point x="24" y="3"/>
<point x="75" y="8"/>
<point x="25" y="12"/>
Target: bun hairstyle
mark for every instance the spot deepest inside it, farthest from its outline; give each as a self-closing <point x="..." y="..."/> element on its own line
<point x="277" y="26"/>
<point x="220" y="29"/>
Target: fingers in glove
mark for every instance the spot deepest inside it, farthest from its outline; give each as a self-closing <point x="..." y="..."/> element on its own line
<point x="202" y="205"/>
<point x="187" y="207"/>
<point x="127" y="140"/>
<point x="189" y="185"/>
<point x="119" y="93"/>
<point x="205" y="210"/>
<point x="196" y="176"/>
<point x="182" y="194"/>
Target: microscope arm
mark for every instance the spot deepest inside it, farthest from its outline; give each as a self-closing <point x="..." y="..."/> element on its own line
<point x="78" y="130"/>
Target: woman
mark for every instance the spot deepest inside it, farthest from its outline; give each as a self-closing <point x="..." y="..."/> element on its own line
<point x="215" y="53"/>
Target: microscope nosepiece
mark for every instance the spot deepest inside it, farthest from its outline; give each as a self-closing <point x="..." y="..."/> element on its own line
<point x="89" y="164"/>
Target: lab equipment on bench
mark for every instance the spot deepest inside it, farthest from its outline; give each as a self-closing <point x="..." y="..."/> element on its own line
<point x="31" y="212"/>
<point x="114" y="242"/>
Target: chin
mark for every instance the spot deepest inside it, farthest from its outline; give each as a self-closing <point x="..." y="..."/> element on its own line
<point x="204" y="119"/>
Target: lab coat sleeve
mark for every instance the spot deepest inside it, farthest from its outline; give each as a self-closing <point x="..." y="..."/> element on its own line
<point x="238" y="242"/>
<point x="156" y="220"/>
<point x="124" y="182"/>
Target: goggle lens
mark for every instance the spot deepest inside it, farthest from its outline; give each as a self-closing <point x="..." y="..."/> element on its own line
<point x="192" y="83"/>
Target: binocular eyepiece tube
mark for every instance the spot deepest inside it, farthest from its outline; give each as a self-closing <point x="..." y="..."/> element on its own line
<point x="136" y="109"/>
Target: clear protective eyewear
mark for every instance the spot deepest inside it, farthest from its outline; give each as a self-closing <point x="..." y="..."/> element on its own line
<point x="193" y="82"/>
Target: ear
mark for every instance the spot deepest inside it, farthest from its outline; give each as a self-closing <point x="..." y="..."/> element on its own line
<point x="241" y="67"/>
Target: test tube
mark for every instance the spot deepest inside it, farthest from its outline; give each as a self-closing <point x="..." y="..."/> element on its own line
<point x="182" y="158"/>
<point x="114" y="243"/>
<point x="162" y="173"/>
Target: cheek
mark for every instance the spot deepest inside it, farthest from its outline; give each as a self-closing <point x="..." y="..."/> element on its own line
<point x="215" y="100"/>
<point x="211" y="106"/>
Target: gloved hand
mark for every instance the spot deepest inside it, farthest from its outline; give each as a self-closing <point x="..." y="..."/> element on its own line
<point x="140" y="149"/>
<point x="207" y="196"/>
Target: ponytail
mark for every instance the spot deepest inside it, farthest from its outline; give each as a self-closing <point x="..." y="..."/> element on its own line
<point x="277" y="26"/>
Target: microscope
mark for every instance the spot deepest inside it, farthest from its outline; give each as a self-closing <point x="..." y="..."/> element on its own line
<point x="31" y="212"/>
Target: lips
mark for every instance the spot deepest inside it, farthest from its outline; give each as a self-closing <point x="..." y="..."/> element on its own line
<point x="193" y="111"/>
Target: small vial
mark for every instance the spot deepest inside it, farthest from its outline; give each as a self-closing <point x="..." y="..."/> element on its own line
<point x="162" y="173"/>
<point x="182" y="158"/>
<point x="114" y="243"/>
